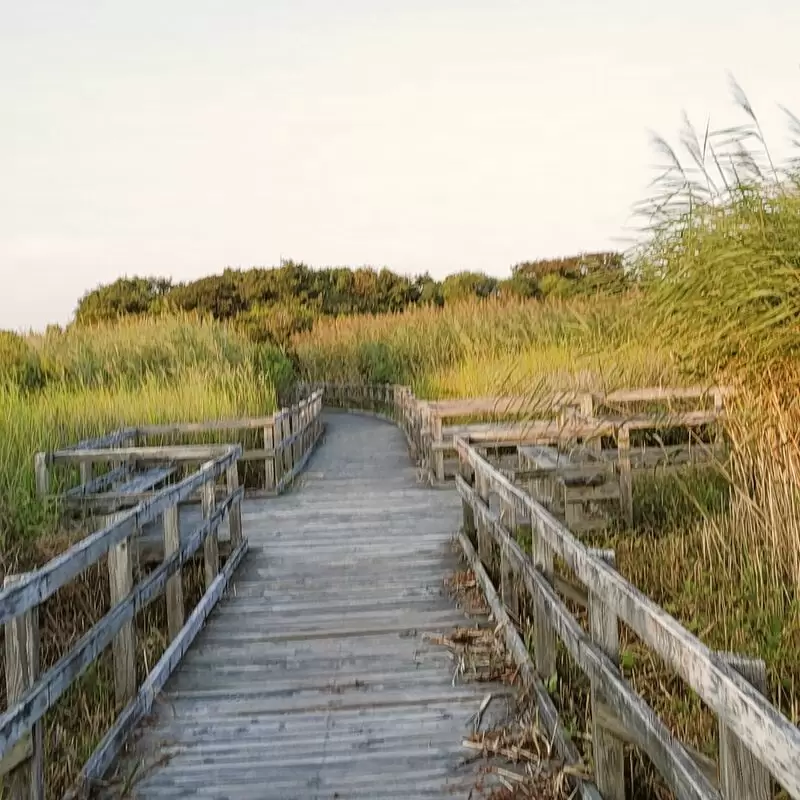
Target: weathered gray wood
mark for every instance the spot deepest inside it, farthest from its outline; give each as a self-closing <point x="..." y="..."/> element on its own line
<point x="207" y="426"/>
<point x="484" y="540"/>
<point x="21" y="717"/>
<point x="145" y="481"/>
<point x="23" y="770"/>
<point x="86" y="470"/>
<point x="741" y="774"/>
<point x="508" y="584"/>
<point x="177" y="454"/>
<point x="767" y="733"/>
<point x="120" y="574"/>
<point x="547" y="711"/>
<point x="545" y="639"/>
<point x="625" y="478"/>
<point x="172" y="544"/>
<point x="286" y="449"/>
<point x="438" y="456"/>
<point x="607" y="749"/>
<point x="36" y="587"/>
<point x="705" y="765"/>
<point x="269" y="461"/>
<point x="42" y="474"/>
<point x="684" y="773"/>
<point x="232" y="482"/>
<point x="18" y="755"/>
<point x="99" y="483"/>
<point x="108" y="749"/>
<point x="211" y="544"/>
<point x="314" y="675"/>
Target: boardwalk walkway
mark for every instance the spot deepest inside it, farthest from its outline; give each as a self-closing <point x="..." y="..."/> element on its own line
<point x="312" y="678"/>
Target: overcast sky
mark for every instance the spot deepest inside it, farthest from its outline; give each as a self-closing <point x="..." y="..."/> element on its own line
<point x="177" y="138"/>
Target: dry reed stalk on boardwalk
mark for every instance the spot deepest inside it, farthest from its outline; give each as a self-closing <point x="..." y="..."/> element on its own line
<point x="516" y="755"/>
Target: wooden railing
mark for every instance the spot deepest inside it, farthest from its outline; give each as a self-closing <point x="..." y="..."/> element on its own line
<point x="33" y="692"/>
<point x="135" y="486"/>
<point x="755" y="740"/>
<point x="581" y="417"/>
<point x="290" y="436"/>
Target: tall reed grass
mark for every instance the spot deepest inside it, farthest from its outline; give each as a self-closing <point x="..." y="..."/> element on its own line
<point x="490" y="346"/>
<point x="61" y="387"/>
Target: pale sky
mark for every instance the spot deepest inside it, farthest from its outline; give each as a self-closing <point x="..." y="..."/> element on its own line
<point x="176" y="138"/>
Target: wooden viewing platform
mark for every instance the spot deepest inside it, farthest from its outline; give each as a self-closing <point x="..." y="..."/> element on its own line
<point x="305" y="670"/>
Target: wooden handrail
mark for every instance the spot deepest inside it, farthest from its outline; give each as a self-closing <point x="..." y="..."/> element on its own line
<point x="289" y="434"/>
<point x="764" y="734"/>
<point x="31" y="694"/>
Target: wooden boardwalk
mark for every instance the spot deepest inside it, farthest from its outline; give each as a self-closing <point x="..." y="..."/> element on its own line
<point x="312" y="677"/>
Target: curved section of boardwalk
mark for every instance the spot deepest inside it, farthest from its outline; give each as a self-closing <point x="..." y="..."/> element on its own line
<point x="312" y="679"/>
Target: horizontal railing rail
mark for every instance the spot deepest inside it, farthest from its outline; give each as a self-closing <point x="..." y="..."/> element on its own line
<point x="583" y="417"/>
<point x="32" y="692"/>
<point x="289" y="436"/>
<point x="756" y="740"/>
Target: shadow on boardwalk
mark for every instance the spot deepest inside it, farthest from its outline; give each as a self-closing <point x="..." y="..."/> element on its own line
<point x="312" y="678"/>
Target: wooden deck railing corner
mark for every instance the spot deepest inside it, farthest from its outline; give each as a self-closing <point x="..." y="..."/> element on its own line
<point x="755" y="740"/>
<point x="135" y="491"/>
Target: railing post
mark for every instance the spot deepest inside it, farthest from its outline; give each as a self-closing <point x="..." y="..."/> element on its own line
<point x="545" y="638"/>
<point x="608" y="750"/>
<point x="468" y="514"/>
<point x="741" y="774"/>
<point x="286" y="433"/>
<point x="172" y="543"/>
<point x="42" y="471"/>
<point x="484" y="539"/>
<point x="595" y="444"/>
<point x="508" y="589"/>
<point x="120" y="573"/>
<point x="25" y="763"/>
<point x="211" y="544"/>
<point x="270" y="461"/>
<point x="625" y="476"/>
<point x="438" y="453"/>
<point x="86" y="472"/>
<point x="297" y="444"/>
<point x="235" y="515"/>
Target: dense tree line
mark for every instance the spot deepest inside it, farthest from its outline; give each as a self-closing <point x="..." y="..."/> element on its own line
<point x="273" y="303"/>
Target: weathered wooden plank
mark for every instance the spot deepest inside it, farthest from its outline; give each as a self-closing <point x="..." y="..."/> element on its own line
<point x="177" y="454"/>
<point x="36" y="587"/>
<point x="741" y="774"/>
<point x="146" y="481"/>
<point x="269" y="460"/>
<point x="211" y="545"/>
<point x="653" y="394"/>
<point x="207" y="426"/>
<point x="543" y="432"/>
<point x="172" y="544"/>
<point x="21" y="717"/>
<point x="20" y="753"/>
<point x="766" y="732"/>
<point x="608" y="750"/>
<point x="120" y="573"/>
<point x="99" y="483"/>
<point x="23" y="768"/>
<point x="232" y="484"/>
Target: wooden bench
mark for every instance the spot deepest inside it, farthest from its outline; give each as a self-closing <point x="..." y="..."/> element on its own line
<point x="576" y="488"/>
